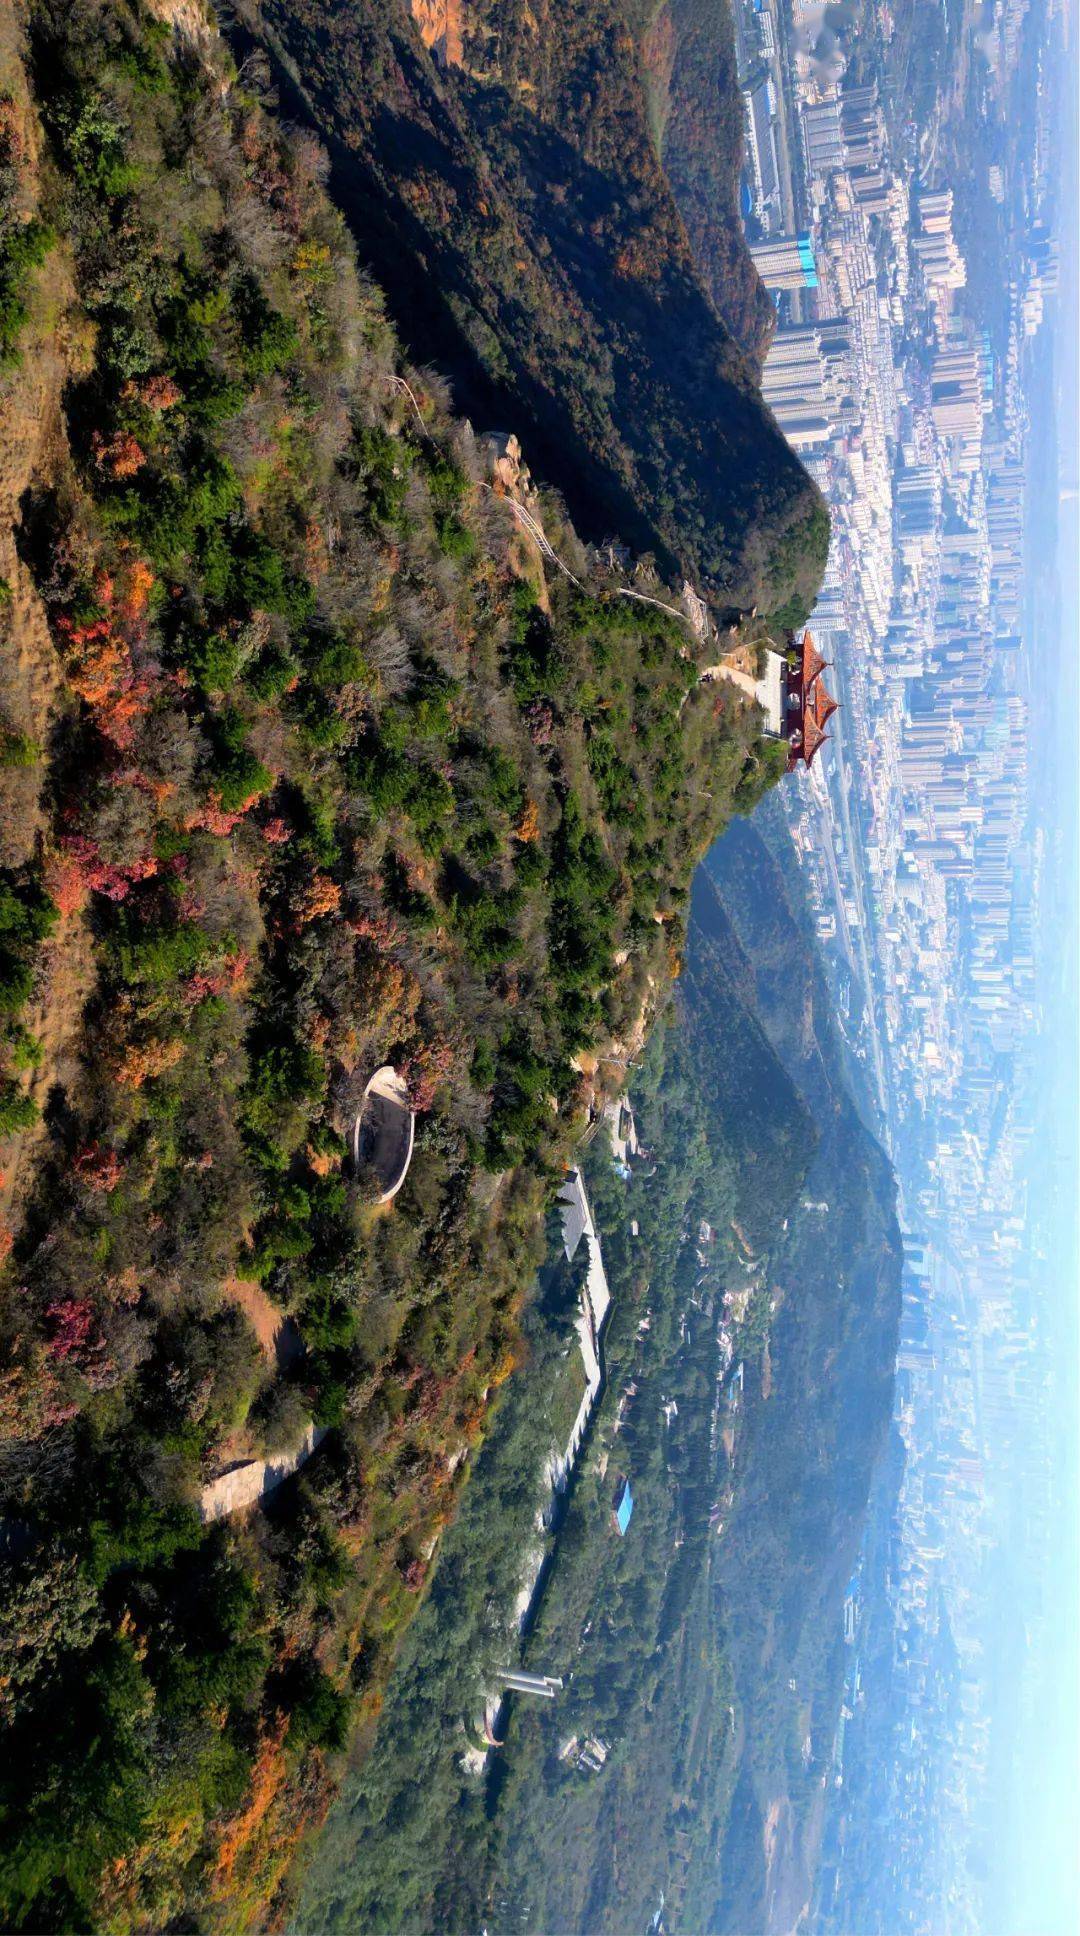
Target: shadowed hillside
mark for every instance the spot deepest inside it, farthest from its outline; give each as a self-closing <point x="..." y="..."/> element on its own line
<point x="688" y="62"/>
<point x="515" y="211"/>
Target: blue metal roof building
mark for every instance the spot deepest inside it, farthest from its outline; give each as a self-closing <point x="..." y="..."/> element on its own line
<point x="624" y="1506"/>
<point x="806" y="260"/>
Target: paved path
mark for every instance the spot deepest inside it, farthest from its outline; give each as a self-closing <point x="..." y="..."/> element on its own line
<point x="244" y="1485"/>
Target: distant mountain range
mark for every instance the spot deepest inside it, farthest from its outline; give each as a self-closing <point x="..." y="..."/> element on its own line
<point x="810" y="1446"/>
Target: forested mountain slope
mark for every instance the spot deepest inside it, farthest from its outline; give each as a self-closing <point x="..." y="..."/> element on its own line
<point x="311" y="761"/>
<point x="815" y="1422"/>
<point x="510" y="199"/>
<point x="696" y="114"/>
<point x="701" y="1650"/>
<point x="422" y="1840"/>
<point x="706" y="1648"/>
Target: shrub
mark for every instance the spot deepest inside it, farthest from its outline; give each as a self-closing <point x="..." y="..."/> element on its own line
<point x="16" y="984"/>
<point x="533" y="658"/>
<point x="382" y="464"/>
<point x="765" y="763"/>
<point x="27" y="914"/>
<point x="21" y="251"/>
<point x="159" y="955"/>
<point x="270" y="339"/>
<point x="17" y="1111"/>
<point x="280" y="1417"/>
<point x="272" y="674"/>
<point x="318" y="1711"/>
<point x="239" y="778"/>
<point x="18" y="749"/>
<point x="25" y="1049"/>
<point x="484" y="919"/>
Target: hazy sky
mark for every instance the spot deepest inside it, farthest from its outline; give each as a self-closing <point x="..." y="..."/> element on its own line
<point x="1045" y="1828"/>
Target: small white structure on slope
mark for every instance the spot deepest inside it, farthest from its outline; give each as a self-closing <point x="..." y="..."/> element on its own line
<point x="242" y="1486"/>
<point x="769" y="693"/>
<point x="622" y="1128"/>
<point x="384" y="1130"/>
<point x="578" y="1227"/>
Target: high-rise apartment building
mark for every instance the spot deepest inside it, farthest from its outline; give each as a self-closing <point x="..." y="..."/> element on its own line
<point x="786" y="262"/>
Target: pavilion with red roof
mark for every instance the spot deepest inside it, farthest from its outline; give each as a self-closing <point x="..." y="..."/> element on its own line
<point x="808" y="704"/>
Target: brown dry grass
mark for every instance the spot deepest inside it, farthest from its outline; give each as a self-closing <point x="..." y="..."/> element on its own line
<point x="264" y="1317"/>
<point x="33" y="451"/>
<point x="279" y="1339"/>
<point x="65" y="981"/>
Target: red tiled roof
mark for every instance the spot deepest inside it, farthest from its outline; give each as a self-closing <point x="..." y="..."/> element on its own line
<point x="822" y="703"/>
<point x="812" y="736"/>
<point x="812" y="662"/>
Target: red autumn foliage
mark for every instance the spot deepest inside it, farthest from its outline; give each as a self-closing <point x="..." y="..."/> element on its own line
<point x="66" y="883"/>
<point x="218" y="981"/>
<point x="12" y="145"/>
<point x="100" y="1168"/>
<point x="213" y="819"/>
<point x="73" y="1321"/>
<point x="382" y="929"/>
<point x="413" y="1574"/>
<point x="155" y="392"/>
<point x="190" y="905"/>
<point x="426" y="1069"/>
<point x="431" y="1400"/>
<point x="540" y="722"/>
<point x="82" y="867"/>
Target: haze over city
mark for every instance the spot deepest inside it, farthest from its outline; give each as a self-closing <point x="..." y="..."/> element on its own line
<point x="937" y="406"/>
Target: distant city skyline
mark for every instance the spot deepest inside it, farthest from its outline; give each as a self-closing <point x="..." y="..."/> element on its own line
<point x="911" y="376"/>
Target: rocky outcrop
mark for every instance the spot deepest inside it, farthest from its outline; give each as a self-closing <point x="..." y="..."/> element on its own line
<point x="439" y="23"/>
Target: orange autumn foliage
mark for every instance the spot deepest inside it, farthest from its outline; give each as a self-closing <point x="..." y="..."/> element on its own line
<point x="267" y="1778"/>
<point x="100" y="671"/>
<point x="140" y="582"/>
<point x="156" y="392"/>
<point x="528" y="827"/>
<point x="143" y="1061"/>
<point x="67" y="884"/>
<point x="213" y="819"/>
<point x="506" y="1364"/>
<point x="321" y="896"/>
<point x="121" y="455"/>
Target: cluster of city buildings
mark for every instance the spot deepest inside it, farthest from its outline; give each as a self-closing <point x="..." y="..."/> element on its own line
<point x="906" y="394"/>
